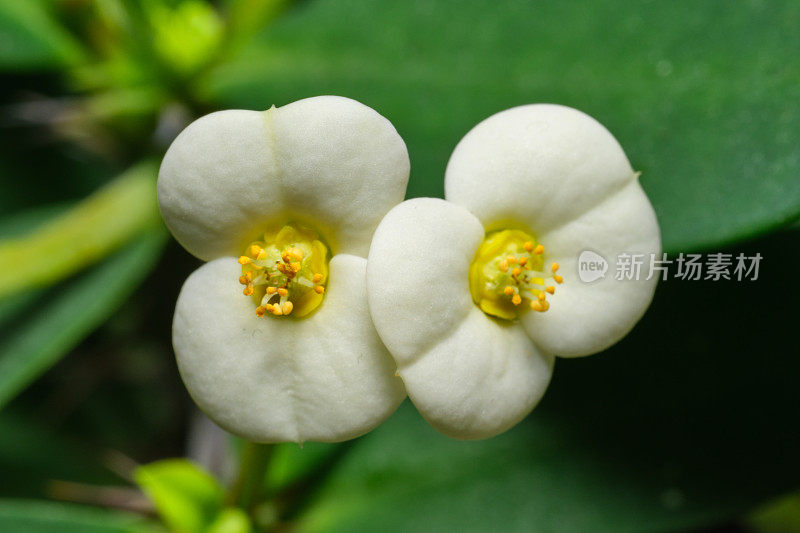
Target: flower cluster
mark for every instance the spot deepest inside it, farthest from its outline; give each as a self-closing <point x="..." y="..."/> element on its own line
<point x="326" y="299"/>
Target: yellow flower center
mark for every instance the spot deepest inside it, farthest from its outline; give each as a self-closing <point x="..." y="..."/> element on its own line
<point x="286" y="272"/>
<point x="508" y="270"/>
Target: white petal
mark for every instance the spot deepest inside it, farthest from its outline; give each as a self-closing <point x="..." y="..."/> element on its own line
<point x="541" y="165"/>
<point x="417" y="274"/>
<point x="326" y="377"/>
<point x="585" y="318"/>
<point x="218" y="183"/>
<point x="469" y="376"/>
<point x="327" y="161"/>
<point x="342" y="165"/>
<point x="480" y="381"/>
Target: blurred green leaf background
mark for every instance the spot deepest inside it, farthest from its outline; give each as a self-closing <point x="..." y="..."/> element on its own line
<point x="691" y="423"/>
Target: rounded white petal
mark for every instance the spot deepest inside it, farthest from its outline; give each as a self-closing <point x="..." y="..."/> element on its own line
<point x="541" y="165"/>
<point x="329" y="162"/>
<point x="218" y="182"/>
<point x="480" y="381"/>
<point x="469" y="375"/>
<point x="585" y="318"/>
<point x="342" y="165"/>
<point x="417" y="281"/>
<point x="326" y="377"/>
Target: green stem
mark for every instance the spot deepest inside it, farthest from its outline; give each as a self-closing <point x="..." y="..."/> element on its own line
<point x="247" y="491"/>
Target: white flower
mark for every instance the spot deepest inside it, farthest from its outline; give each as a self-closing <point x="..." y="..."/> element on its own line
<point x="467" y="292"/>
<point x="267" y="198"/>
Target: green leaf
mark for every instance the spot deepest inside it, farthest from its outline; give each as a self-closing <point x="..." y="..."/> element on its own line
<point x="17" y="225"/>
<point x="32" y="455"/>
<point x="781" y="516"/>
<point x="690" y="420"/>
<point x="230" y="520"/>
<point x="246" y="17"/>
<point x="87" y="232"/>
<point x="71" y="311"/>
<point x="187" y="497"/>
<point x="703" y="96"/>
<point x="30" y="516"/>
<point x="30" y="38"/>
<point x="291" y="463"/>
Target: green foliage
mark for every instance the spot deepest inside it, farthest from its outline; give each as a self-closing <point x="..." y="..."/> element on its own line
<point x="30" y="38"/>
<point x="230" y="520"/>
<point x="184" y="37"/>
<point x="61" y="318"/>
<point x="43" y="517"/>
<point x="292" y="463"/>
<point x="189" y="499"/>
<point x="703" y="96"/>
<point x="782" y="516"/>
<point x="84" y="234"/>
<point x="32" y="455"/>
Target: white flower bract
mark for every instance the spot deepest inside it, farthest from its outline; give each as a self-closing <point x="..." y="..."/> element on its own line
<point x="328" y="163"/>
<point x="548" y="170"/>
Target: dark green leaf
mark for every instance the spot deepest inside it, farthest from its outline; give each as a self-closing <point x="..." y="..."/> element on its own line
<point x="32" y="455"/>
<point x="690" y="420"/>
<point x="18" y="224"/>
<point x="70" y="312"/>
<point x="187" y="497"/>
<point x="30" y="516"/>
<point x="781" y="516"/>
<point x="291" y="462"/>
<point x="703" y="96"/>
<point x="30" y="38"/>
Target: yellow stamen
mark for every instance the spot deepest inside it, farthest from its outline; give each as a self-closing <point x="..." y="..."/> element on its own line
<point x="509" y="268"/>
<point x="284" y="272"/>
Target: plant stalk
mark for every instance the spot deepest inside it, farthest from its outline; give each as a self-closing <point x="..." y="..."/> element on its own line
<point x="247" y="491"/>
